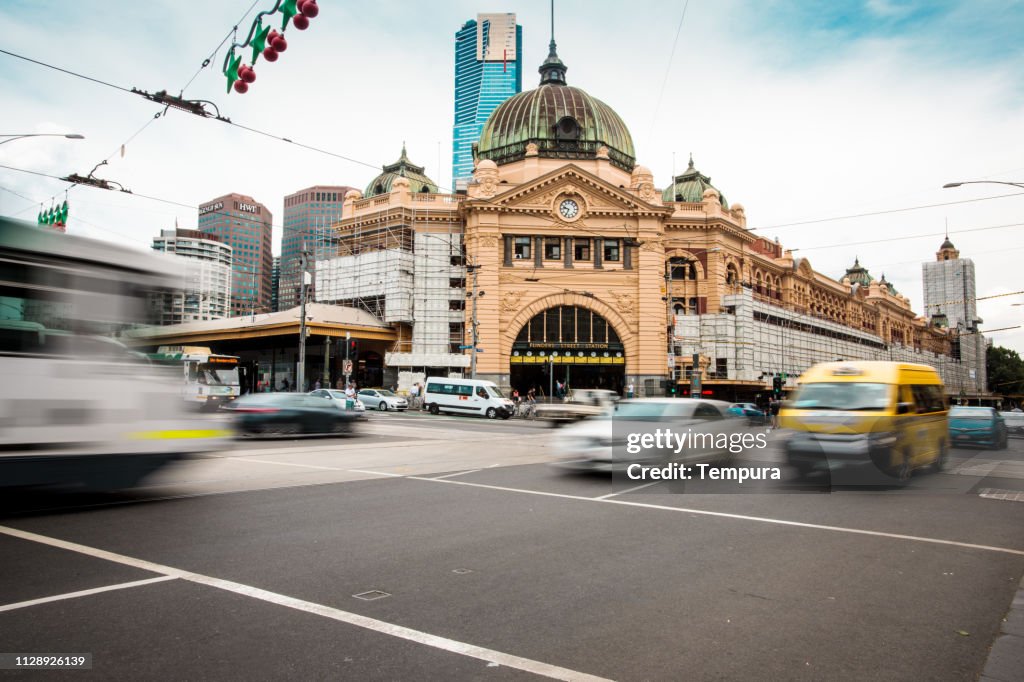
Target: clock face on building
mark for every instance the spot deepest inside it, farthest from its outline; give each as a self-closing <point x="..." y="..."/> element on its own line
<point x="569" y="209"/>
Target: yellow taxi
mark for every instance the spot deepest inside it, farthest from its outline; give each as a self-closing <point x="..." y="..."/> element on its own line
<point x="889" y="415"/>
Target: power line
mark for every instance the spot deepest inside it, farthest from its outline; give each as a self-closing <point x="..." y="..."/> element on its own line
<point x="209" y="60"/>
<point x="668" y="70"/>
<point x="916" y="236"/>
<point x="70" y="73"/>
<point x="885" y="212"/>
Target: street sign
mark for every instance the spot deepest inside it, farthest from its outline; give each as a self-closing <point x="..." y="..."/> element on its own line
<point x="479" y="350"/>
<point x="346" y="367"/>
<point x="465" y="347"/>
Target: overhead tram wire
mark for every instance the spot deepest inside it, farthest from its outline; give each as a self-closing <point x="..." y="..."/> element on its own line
<point x="376" y="167"/>
<point x="209" y="60"/>
<point x="885" y="212"/>
<point x="916" y="236"/>
<point x="668" y="70"/>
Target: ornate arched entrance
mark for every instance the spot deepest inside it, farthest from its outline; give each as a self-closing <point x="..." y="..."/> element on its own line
<point x="570" y="344"/>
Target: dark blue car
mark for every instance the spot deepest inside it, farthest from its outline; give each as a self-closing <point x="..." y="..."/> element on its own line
<point x="977" y="426"/>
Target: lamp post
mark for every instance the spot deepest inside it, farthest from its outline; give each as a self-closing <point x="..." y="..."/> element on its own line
<point x="949" y="185"/>
<point x="12" y="137"/>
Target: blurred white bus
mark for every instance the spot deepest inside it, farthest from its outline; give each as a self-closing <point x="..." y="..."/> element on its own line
<point x="77" y="407"/>
<point x="209" y="380"/>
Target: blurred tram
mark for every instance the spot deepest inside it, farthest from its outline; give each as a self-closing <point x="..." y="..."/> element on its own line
<point x="77" y="407"/>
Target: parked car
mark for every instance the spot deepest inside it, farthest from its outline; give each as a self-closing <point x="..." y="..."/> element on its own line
<point x="977" y="426"/>
<point x="280" y="414"/>
<point x="382" y="399"/>
<point x="1014" y="422"/>
<point x="600" y="443"/>
<point x="466" y="396"/>
<point x="752" y="412"/>
<point x="338" y="399"/>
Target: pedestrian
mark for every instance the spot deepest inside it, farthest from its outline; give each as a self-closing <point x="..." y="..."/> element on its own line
<point x="284" y="384"/>
<point x="414" y="396"/>
<point x="350" y="392"/>
<point x="340" y="384"/>
<point x="316" y="386"/>
<point x="773" y="407"/>
<point x="629" y="390"/>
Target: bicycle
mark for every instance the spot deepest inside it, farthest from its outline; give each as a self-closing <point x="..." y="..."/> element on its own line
<point x="525" y="409"/>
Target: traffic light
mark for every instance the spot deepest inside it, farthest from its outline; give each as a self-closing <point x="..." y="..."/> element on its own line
<point x="352" y="349"/>
<point x="777" y="384"/>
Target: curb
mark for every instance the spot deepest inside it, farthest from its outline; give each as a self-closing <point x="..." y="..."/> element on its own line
<point x="1006" y="659"/>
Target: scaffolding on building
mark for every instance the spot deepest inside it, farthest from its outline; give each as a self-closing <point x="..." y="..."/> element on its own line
<point x="407" y="268"/>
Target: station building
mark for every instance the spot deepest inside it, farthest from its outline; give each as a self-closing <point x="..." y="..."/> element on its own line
<point x="585" y="272"/>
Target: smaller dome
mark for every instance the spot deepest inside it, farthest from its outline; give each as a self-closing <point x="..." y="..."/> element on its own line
<point x="403" y="168"/>
<point x="690" y="187"/>
<point x="947" y="244"/>
<point x="888" y="285"/>
<point x="858" y="274"/>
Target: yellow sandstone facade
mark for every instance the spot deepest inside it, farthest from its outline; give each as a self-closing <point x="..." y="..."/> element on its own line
<point x="586" y="272"/>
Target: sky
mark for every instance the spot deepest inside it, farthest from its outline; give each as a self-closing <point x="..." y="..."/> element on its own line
<point x="835" y="124"/>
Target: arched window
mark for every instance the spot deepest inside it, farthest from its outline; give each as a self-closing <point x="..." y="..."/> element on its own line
<point x="379" y="189"/>
<point x="567" y="325"/>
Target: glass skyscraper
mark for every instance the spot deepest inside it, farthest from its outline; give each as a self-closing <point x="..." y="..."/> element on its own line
<point x="488" y="70"/>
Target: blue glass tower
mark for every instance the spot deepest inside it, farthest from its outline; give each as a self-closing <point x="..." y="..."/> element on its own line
<point x="488" y="70"/>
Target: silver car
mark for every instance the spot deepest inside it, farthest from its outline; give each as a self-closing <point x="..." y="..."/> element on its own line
<point x="382" y="399"/>
<point x="605" y="443"/>
<point x="338" y="399"/>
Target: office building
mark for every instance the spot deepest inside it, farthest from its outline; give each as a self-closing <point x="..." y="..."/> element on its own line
<point x="245" y="225"/>
<point x="950" y="300"/>
<point x="488" y="70"/>
<point x="308" y="215"/>
<point x="207" y="291"/>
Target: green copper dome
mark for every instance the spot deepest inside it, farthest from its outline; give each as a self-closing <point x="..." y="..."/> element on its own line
<point x="858" y="274"/>
<point x="690" y="187"/>
<point x="563" y="122"/>
<point x="403" y="168"/>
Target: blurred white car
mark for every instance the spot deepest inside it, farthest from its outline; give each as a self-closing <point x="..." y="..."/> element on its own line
<point x="382" y="399"/>
<point x="601" y="443"/>
<point x="338" y="399"/>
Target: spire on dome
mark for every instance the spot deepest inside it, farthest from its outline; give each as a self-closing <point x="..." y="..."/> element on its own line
<point x="552" y="71"/>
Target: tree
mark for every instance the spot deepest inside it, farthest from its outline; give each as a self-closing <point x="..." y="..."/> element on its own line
<point x="1005" y="371"/>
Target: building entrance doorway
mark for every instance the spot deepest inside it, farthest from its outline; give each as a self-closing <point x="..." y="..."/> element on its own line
<point x="567" y="344"/>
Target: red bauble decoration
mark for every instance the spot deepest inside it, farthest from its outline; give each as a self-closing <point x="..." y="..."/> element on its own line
<point x="270" y="54"/>
<point x="309" y="9"/>
<point x="299" y="4"/>
<point x="241" y="88"/>
<point x="300" y="21"/>
<point x="279" y="43"/>
<point x="247" y="74"/>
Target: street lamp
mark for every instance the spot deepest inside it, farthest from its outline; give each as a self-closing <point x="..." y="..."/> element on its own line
<point x="12" y="137"/>
<point x="948" y="185"/>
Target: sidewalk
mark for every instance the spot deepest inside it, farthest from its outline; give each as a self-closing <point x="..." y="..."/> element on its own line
<point x="1006" y="660"/>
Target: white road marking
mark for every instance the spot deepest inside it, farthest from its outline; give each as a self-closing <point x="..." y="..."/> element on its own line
<point x="375" y="473"/>
<point x="741" y="517"/>
<point x="284" y="464"/>
<point x="457" y="473"/>
<point x="383" y="627"/>
<point x="630" y="490"/>
<point x="85" y="593"/>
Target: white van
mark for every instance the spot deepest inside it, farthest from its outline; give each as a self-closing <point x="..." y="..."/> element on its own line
<point x="466" y="396"/>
